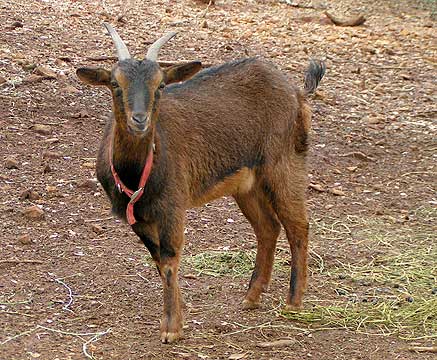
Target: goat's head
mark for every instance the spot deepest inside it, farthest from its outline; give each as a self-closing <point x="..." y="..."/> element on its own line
<point x="137" y="85"/>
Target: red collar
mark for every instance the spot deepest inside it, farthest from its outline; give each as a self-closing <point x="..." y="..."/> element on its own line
<point x="133" y="195"/>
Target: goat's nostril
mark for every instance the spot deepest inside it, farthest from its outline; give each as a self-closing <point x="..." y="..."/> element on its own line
<point x="139" y="117"/>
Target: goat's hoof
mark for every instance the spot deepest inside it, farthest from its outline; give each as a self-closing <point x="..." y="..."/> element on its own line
<point x="289" y="307"/>
<point x="250" y="305"/>
<point x="170" y="337"/>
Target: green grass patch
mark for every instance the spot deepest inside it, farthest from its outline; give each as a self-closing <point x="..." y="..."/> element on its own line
<point x="392" y="293"/>
<point x="219" y="263"/>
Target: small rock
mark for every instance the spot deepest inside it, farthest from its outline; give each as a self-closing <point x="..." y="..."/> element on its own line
<point x="190" y="276"/>
<point x="51" y="189"/>
<point x="16" y="24"/>
<point x="33" y="213"/>
<point x="45" y="72"/>
<point x="434" y="291"/>
<point x="88" y="184"/>
<point x="28" y="66"/>
<point x="65" y="58"/>
<point x="47" y="169"/>
<point x="341" y="292"/>
<point x="337" y="192"/>
<point x="316" y="187"/>
<point x="11" y="163"/>
<point x="237" y="356"/>
<point x="409" y="299"/>
<point x="97" y="229"/>
<point x="29" y="194"/>
<point x="204" y="24"/>
<point x="80" y="115"/>
<point x="25" y="239"/>
<point x="33" y="78"/>
<point x="89" y="165"/>
<point x="277" y="343"/>
<point x="51" y="155"/>
<point x="41" y="129"/>
<point x="52" y="141"/>
<point x="69" y="89"/>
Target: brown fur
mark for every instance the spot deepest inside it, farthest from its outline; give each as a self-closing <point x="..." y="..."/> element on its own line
<point x="239" y="129"/>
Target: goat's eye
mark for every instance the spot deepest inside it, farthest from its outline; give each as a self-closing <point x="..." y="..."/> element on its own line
<point x="114" y="84"/>
<point x="161" y="86"/>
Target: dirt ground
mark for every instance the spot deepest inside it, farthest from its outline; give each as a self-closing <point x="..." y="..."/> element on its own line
<point x="76" y="283"/>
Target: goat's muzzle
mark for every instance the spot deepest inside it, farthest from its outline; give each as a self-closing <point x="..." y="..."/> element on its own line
<point x="139" y="122"/>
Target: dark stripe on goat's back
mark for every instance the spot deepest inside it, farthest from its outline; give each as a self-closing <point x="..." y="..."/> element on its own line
<point x="209" y="73"/>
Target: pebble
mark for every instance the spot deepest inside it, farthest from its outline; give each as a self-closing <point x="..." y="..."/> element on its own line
<point x="88" y="184"/>
<point x="97" y="229"/>
<point x="42" y="129"/>
<point x="47" y="169"/>
<point x="51" y="155"/>
<point x="11" y="163"/>
<point x="45" y="72"/>
<point x="33" y="78"/>
<point x="29" y="194"/>
<point x="25" y="239"/>
<point x="33" y="213"/>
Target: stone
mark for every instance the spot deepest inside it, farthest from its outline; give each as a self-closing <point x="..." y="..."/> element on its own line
<point x="25" y="239"/>
<point x="11" y="163"/>
<point x="33" y="213"/>
<point x="41" y="129"/>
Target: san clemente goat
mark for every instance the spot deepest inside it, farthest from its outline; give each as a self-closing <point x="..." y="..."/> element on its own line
<point x="178" y="139"/>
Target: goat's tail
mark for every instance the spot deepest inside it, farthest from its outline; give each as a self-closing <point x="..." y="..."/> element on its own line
<point x="313" y="75"/>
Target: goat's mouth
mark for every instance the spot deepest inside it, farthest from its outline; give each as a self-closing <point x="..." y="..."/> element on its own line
<point x="138" y="127"/>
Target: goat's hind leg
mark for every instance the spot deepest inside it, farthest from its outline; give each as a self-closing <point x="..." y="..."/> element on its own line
<point x="263" y="219"/>
<point x="290" y="205"/>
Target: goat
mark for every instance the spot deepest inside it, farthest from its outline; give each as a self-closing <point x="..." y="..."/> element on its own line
<point x="238" y="129"/>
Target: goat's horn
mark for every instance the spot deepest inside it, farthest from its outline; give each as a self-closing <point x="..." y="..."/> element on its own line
<point x="152" y="53"/>
<point x="122" y="51"/>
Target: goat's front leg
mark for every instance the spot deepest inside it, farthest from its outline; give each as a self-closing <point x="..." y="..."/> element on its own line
<point x="171" y="242"/>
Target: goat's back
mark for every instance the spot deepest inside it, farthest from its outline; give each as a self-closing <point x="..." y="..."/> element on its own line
<point x="242" y="114"/>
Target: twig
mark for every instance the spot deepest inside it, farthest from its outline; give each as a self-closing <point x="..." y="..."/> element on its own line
<point x="358" y="155"/>
<point x="19" y="335"/>
<point x="203" y="15"/>
<point x="18" y="261"/>
<point x="68" y="332"/>
<point x="97" y="220"/>
<point x="277" y="343"/>
<point x="15" y="313"/>
<point x="93" y="339"/>
<point x="432" y="349"/>
<point x="70" y="294"/>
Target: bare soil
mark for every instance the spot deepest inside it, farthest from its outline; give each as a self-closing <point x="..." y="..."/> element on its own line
<point x="76" y="283"/>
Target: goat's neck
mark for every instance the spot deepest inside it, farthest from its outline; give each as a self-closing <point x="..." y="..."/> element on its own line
<point x="128" y="148"/>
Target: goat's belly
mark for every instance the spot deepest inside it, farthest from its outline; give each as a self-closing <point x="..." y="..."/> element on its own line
<point x="238" y="183"/>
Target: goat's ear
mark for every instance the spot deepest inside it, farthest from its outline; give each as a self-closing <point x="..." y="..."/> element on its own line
<point x="177" y="73"/>
<point x="94" y="76"/>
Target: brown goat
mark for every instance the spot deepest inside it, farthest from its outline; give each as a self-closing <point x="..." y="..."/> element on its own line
<point x="238" y="129"/>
